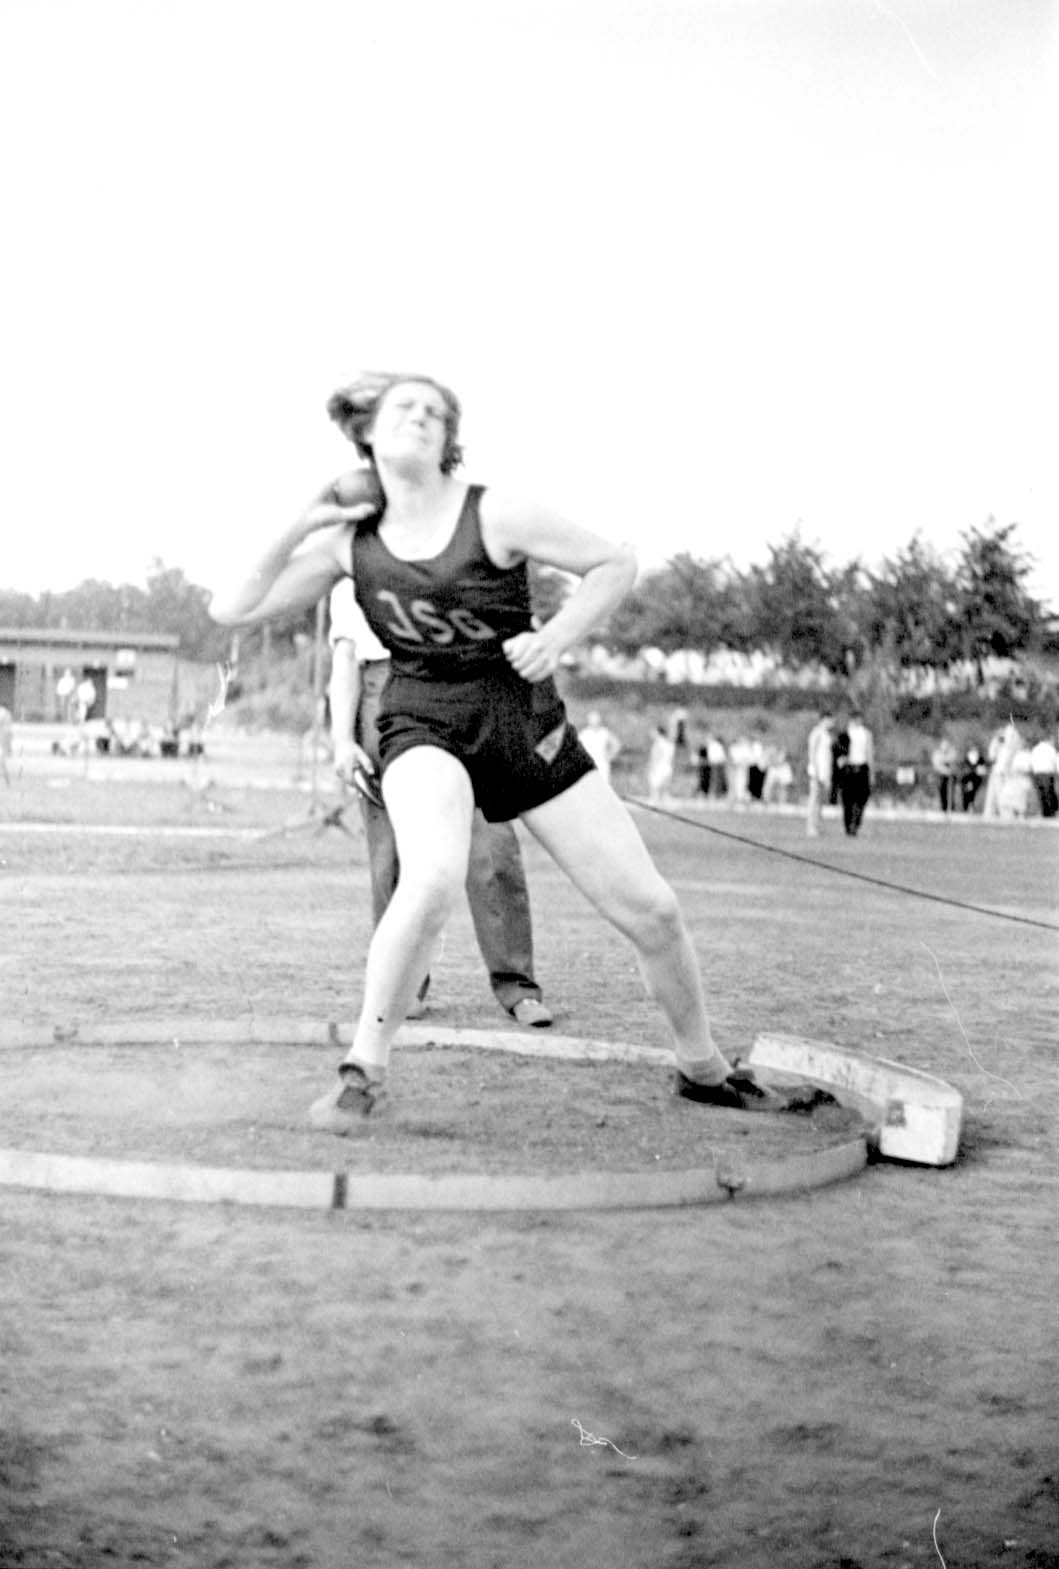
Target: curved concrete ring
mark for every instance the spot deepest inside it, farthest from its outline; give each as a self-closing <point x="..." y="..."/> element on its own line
<point x="341" y="1190"/>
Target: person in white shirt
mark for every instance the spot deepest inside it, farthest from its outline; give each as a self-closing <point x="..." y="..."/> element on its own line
<point x="779" y="776"/>
<point x="86" y="698"/>
<point x="819" y="764"/>
<point x="496" y="880"/>
<point x="740" y="757"/>
<point x="661" y="759"/>
<point x="717" y="758"/>
<point x="856" y="773"/>
<point x="66" y="691"/>
<point x="601" y="744"/>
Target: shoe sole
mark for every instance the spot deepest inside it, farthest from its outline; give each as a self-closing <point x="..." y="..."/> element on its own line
<point x="544" y="1023"/>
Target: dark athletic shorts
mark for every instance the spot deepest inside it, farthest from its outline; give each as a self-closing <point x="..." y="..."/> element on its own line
<point x="511" y="735"/>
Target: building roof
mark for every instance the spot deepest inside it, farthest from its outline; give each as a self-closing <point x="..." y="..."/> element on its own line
<point x="63" y="637"/>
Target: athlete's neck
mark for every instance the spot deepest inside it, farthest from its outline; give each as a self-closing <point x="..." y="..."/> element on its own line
<point x="415" y="496"/>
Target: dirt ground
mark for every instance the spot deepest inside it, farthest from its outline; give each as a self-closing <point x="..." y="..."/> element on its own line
<point x="865" y="1375"/>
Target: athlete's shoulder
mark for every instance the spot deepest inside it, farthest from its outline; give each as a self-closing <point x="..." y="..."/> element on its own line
<point x="506" y="521"/>
<point x="511" y="511"/>
<point x="504" y="506"/>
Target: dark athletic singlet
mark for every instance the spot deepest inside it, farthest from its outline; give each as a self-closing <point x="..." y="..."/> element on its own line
<point x="444" y="618"/>
<point x="450" y="686"/>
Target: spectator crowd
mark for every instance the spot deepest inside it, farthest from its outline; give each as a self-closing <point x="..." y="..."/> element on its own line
<point x="1013" y="774"/>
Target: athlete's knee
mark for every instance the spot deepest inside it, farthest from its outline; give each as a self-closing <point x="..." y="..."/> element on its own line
<point x="432" y="891"/>
<point x="653" y="919"/>
<point x="665" y="920"/>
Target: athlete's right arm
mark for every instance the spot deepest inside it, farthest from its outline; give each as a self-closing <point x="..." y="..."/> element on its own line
<point x="297" y="569"/>
<point x="344" y="697"/>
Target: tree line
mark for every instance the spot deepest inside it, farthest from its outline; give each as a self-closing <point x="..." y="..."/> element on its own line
<point x="915" y="609"/>
<point x="170" y="603"/>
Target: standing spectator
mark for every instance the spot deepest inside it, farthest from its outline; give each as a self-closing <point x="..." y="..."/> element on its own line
<point x="66" y="691"/>
<point x="1044" y="763"/>
<point x="86" y="697"/>
<point x="820" y="767"/>
<point x="944" y="761"/>
<point x="972" y="777"/>
<point x="1000" y="750"/>
<point x="857" y="768"/>
<point x="1009" y="791"/>
<point x="740" y="756"/>
<point x="839" y="753"/>
<point x="5" y="743"/>
<point x="702" y="762"/>
<point x="779" y="777"/>
<point x="756" y="769"/>
<point x="601" y="744"/>
<point x="1018" y="797"/>
<point x="660" y="763"/>
<point x="677" y="728"/>
<point x="496" y="881"/>
<point x="717" y="756"/>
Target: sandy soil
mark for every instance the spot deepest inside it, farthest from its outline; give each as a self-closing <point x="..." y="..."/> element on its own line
<point x="865" y="1375"/>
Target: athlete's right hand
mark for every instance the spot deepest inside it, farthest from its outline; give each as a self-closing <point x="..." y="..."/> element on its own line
<point x="348" y="758"/>
<point x="350" y="498"/>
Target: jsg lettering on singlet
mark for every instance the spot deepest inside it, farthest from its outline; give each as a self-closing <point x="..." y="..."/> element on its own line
<point x="420" y="621"/>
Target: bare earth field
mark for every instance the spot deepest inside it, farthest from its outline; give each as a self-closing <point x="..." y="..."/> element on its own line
<point x="861" y="1376"/>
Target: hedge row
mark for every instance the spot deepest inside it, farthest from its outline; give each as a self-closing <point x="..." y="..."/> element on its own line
<point x="1034" y="704"/>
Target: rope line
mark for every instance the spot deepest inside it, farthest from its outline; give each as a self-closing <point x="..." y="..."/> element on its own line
<point x="839" y="871"/>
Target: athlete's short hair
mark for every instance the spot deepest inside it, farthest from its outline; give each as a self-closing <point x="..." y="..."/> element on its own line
<point x="353" y="409"/>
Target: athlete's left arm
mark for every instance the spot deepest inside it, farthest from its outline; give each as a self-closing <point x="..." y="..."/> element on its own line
<point x="513" y="531"/>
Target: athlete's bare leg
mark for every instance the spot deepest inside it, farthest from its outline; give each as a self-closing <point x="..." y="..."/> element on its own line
<point x="589" y="833"/>
<point x="430" y="802"/>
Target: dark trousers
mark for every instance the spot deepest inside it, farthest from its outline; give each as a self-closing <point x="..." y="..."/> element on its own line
<point x="854" y="788"/>
<point x="1046" y="794"/>
<point x="496" y="880"/>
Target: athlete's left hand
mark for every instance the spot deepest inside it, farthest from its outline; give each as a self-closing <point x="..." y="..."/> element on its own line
<point x="533" y="655"/>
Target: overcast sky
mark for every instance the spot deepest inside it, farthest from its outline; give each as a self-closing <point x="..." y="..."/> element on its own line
<point x="702" y="272"/>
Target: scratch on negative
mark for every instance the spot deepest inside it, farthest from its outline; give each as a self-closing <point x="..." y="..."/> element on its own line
<point x="884" y="10"/>
<point x="588" y="1440"/>
<point x="959" y="1025"/>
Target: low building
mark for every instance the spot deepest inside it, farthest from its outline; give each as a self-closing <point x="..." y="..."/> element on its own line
<point x="128" y="675"/>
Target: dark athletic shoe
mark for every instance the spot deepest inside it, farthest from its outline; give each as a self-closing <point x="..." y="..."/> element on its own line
<point x="740" y="1091"/>
<point x="344" y="1109"/>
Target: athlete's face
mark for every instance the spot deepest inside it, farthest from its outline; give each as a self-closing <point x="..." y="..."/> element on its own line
<point x="411" y="423"/>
